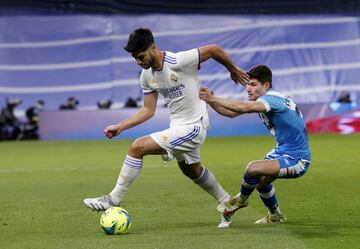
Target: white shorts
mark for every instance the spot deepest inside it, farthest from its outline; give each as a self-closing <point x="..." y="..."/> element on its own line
<point x="182" y="142"/>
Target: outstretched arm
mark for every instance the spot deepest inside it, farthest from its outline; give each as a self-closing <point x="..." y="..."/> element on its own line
<point x="224" y="112"/>
<point x="145" y="113"/>
<point x="230" y="107"/>
<point x="217" y="53"/>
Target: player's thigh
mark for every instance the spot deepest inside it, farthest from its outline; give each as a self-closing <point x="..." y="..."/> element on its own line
<point x="145" y="146"/>
<point x="190" y="157"/>
<point x="291" y="167"/>
<point x="180" y="140"/>
<point x="269" y="168"/>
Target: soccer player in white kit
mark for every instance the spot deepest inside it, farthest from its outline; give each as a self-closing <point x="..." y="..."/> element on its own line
<point x="175" y="76"/>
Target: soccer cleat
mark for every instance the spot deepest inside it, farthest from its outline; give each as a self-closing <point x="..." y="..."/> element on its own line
<point x="272" y="219"/>
<point x="100" y="204"/>
<point x="225" y="221"/>
<point x="231" y="206"/>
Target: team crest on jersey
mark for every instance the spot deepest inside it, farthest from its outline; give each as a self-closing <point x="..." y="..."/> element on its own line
<point x="173" y="78"/>
<point x="153" y="81"/>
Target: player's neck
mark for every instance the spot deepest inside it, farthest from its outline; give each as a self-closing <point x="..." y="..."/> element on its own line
<point x="159" y="60"/>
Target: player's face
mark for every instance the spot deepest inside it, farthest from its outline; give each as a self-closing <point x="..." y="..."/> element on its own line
<point x="255" y="89"/>
<point x="145" y="59"/>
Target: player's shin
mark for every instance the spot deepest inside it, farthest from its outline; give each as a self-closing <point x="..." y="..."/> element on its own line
<point x="268" y="197"/>
<point x="248" y="185"/>
<point x="208" y="182"/>
<point x="129" y="171"/>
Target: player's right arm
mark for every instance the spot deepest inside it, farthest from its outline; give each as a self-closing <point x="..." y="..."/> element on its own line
<point x="217" y="53"/>
<point x="146" y="112"/>
<point x="237" y="106"/>
<point x="224" y="111"/>
<point x="230" y="107"/>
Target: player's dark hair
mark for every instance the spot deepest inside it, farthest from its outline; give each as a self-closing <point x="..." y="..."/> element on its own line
<point x="262" y="73"/>
<point x="139" y="40"/>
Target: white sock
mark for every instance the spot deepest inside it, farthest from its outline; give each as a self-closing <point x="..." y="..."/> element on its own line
<point x="208" y="182"/>
<point x="129" y="171"/>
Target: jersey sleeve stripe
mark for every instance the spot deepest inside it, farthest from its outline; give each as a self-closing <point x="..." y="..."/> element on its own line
<point x="266" y="104"/>
<point x="170" y="58"/>
<point x="171" y="62"/>
<point x="148" y="91"/>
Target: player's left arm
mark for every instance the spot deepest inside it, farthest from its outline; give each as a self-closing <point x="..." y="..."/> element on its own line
<point x="217" y="53"/>
<point x="233" y="106"/>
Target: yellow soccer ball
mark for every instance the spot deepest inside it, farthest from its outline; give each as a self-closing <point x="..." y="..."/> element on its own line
<point x="115" y="220"/>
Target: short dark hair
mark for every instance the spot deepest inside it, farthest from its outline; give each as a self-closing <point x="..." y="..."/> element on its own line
<point x="262" y="73"/>
<point x="139" y="40"/>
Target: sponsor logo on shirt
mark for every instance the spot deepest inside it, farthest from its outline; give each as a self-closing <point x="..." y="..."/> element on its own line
<point x="172" y="92"/>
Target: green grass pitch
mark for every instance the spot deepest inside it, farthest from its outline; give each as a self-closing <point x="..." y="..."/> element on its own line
<point x="43" y="184"/>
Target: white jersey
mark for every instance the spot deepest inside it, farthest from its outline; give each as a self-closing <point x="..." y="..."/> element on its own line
<point x="179" y="83"/>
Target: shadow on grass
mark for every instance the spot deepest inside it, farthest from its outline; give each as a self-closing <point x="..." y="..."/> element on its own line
<point x="324" y="229"/>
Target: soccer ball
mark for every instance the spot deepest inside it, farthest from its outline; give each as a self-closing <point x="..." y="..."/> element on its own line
<point x="115" y="220"/>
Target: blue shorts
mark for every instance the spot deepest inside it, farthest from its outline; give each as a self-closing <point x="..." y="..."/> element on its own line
<point x="289" y="166"/>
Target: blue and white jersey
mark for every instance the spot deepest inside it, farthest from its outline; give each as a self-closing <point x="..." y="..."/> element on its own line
<point x="179" y="83"/>
<point x="286" y="123"/>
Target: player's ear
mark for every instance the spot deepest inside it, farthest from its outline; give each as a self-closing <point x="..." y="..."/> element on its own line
<point x="267" y="85"/>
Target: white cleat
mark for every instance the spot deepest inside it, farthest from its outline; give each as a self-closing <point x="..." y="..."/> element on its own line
<point x="231" y="206"/>
<point x="100" y="204"/>
<point x="272" y="219"/>
<point x="225" y="221"/>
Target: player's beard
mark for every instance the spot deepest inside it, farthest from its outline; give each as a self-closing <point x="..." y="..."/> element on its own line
<point x="150" y="62"/>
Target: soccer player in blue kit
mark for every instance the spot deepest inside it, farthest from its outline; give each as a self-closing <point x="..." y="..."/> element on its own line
<point x="291" y="156"/>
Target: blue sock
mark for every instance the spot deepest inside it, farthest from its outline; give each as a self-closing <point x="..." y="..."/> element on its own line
<point x="248" y="185"/>
<point x="267" y="195"/>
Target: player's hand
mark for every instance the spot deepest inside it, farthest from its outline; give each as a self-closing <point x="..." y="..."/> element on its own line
<point x="239" y="76"/>
<point x="112" y="131"/>
<point x="206" y="94"/>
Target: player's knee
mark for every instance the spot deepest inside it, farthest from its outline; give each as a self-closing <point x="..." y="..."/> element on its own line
<point x="187" y="172"/>
<point x="137" y="148"/>
<point x="192" y="171"/>
<point x="252" y="169"/>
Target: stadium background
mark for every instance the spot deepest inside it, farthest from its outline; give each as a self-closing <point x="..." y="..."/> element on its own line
<point x="52" y="50"/>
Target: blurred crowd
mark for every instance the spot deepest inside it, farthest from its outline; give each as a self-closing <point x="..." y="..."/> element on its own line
<point x="343" y="104"/>
<point x="14" y="128"/>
